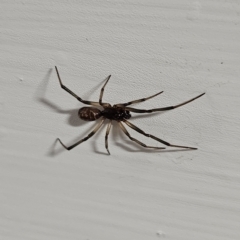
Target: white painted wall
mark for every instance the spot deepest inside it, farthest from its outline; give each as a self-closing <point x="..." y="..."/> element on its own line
<point x="182" y="47"/>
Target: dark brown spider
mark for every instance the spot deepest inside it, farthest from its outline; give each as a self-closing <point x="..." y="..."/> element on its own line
<point x="120" y="113"/>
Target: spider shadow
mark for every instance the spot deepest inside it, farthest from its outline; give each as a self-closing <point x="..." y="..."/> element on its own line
<point x="147" y="115"/>
<point x="145" y="150"/>
<point x="73" y="119"/>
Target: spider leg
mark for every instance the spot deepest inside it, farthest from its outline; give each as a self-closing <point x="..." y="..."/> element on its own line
<point x="84" y="139"/>
<point x="134" y="139"/>
<point x="73" y="94"/>
<point x="161" y="109"/>
<point x="102" y="91"/>
<point x="137" y="101"/>
<point x="155" y="138"/>
<point x="106" y="136"/>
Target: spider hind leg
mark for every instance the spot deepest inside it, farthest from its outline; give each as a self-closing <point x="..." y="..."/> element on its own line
<point x="102" y="91"/>
<point x="74" y="94"/>
<point x="84" y="139"/>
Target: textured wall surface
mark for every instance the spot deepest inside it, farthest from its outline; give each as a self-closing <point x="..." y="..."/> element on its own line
<point x="182" y="47"/>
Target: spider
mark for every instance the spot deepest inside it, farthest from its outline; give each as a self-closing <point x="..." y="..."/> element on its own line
<point x="118" y="112"/>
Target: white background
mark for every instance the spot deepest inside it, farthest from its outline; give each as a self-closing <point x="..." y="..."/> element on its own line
<point x="182" y="47"/>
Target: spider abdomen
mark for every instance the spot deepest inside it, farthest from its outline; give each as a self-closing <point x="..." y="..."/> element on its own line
<point x="89" y="113"/>
<point x="115" y="113"/>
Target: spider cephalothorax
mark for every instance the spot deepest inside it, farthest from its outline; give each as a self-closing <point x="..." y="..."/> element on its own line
<point x="120" y="113"/>
<point x="115" y="113"/>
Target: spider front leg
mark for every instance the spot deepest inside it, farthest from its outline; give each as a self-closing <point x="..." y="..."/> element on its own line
<point x="72" y="93"/>
<point x="155" y="138"/>
<point x="137" y="101"/>
<point x="161" y="109"/>
<point x="134" y="139"/>
<point x="84" y="139"/>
